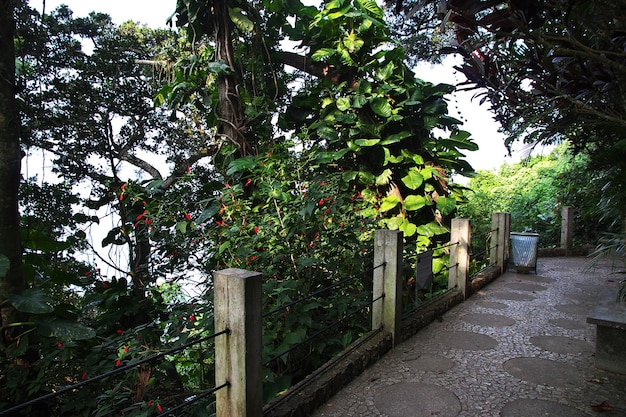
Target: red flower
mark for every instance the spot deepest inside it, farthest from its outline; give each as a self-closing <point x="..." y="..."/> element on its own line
<point x="192" y="318"/>
<point x="159" y="408"/>
<point x="253" y="257"/>
<point x="227" y="185"/>
<point x="59" y="345"/>
<point x="87" y="273"/>
<point x="188" y="216"/>
<point x="84" y="376"/>
<point x="256" y="229"/>
<point x="323" y="183"/>
<point x="117" y="363"/>
<point x="321" y="202"/>
<point x="120" y="331"/>
<point x="248" y="181"/>
<point x="125" y="349"/>
<point x="188" y="169"/>
<point x="150" y="403"/>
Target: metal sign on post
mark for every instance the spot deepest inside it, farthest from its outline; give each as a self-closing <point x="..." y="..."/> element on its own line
<point x="424" y="271"/>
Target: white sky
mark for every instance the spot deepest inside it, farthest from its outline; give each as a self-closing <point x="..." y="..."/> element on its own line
<point x="479" y="121"/>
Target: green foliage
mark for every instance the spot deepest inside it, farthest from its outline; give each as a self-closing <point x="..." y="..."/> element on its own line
<point x="534" y="192"/>
<point x="370" y="145"/>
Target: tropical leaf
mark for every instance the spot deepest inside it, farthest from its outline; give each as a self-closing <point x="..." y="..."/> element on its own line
<point x="366" y="142"/>
<point x="372" y="7"/>
<point x="381" y="106"/>
<point x="240" y="20"/>
<point x="65" y="330"/>
<point x="413" y="179"/>
<point x="395" y="138"/>
<point x="323" y="53"/>
<point x="343" y="103"/>
<point x="415" y="202"/>
<point x="446" y="205"/>
<point x="431" y="229"/>
<point x="384" y="178"/>
<point x="389" y="203"/>
<point x="32" y="301"/>
<point x="408" y="228"/>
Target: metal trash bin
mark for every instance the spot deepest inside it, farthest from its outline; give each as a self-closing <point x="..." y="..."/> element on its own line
<point x="524" y="251"/>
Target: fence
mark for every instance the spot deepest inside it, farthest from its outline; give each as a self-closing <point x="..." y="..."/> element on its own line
<point x="238" y="313"/>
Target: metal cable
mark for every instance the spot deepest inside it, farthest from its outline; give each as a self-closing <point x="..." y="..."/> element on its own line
<point x="330" y="326"/>
<point x="121" y="369"/>
<point x="321" y="291"/>
<point x="194" y="400"/>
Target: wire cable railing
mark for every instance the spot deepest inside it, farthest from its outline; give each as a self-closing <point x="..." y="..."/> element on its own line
<point x="119" y="370"/>
<point x="348" y="322"/>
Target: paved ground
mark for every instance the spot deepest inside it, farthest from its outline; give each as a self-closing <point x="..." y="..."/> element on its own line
<point x="520" y="347"/>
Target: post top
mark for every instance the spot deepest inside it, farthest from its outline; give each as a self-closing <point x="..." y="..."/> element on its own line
<point x="238" y="273"/>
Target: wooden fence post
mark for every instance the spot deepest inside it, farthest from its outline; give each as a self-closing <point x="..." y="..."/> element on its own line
<point x="238" y="298"/>
<point x="459" y="255"/>
<point x="567" y="229"/>
<point x="387" y="312"/>
<point x="499" y="253"/>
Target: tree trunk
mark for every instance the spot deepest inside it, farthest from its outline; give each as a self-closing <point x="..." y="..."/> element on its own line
<point x="231" y="115"/>
<point x="10" y="165"/>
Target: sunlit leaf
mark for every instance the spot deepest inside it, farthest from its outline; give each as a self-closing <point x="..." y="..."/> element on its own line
<point x="446" y="205"/>
<point x="408" y="228"/>
<point x="384" y="178"/>
<point x="413" y="179"/>
<point x="389" y="203"/>
<point x="431" y="229"/>
<point x="381" y="107"/>
<point x="395" y="138"/>
<point x="323" y="53"/>
<point x="415" y="202"/>
<point x="366" y="142"/>
<point x="343" y="103"/>
<point x="240" y="20"/>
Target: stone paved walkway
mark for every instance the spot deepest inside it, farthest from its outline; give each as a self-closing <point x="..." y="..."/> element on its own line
<point x="519" y="347"/>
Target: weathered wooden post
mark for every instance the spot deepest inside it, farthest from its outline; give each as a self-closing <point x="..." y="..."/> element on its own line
<point x="238" y="354"/>
<point x="499" y="254"/>
<point x="567" y="229"/>
<point x="459" y="254"/>
<point x="387" y="312"/>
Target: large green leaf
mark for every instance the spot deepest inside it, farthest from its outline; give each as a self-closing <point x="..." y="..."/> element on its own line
<point x="446" y="205"/>
<point x="240" y="20"/>
<point x="381" y="106"/>
<point x="5" y="264"/>
<point x="372" y="7"/>
<point x="413" y="179"/>
<point x="415" y="202"/>
<point x="384" y="178"/>
<point x="343" y="103"/>
<point x="65" y="330"/>
<point x="389" y="203"/>
<point x="385" y="72"/>
<point x="323" y="53"/>
<point x="395" y="138"/>
<point x="408" y="228"/>
<point x="431" y="229"/>
<point x="242" y="164"/>
<point x="366" y="142"/>
<point x="32" y="301"/>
